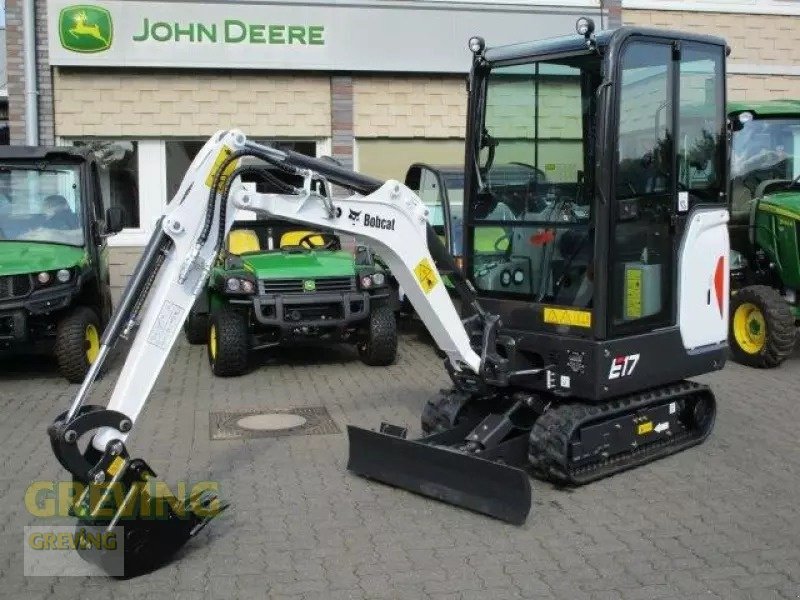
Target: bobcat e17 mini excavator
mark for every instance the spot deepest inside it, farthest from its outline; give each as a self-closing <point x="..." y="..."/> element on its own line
<point x="607" y="287"/>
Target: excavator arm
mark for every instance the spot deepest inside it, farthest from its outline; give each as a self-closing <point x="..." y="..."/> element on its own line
<point x="172" y="272"/>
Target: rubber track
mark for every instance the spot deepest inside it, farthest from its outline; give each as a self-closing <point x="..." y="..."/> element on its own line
<point x="549" y="439"/>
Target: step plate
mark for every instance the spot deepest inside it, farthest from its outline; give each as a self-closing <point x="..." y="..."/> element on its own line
<point x="439" y="472"/>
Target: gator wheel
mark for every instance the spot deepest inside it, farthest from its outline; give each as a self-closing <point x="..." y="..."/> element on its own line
<point x="379" y="346"/>
<point x="195" y="328"/>
<point x="77" y="343"/>
<point x="228" y="344"/>
<point x="762" y="331"/>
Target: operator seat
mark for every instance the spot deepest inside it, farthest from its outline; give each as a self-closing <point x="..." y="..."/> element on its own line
<point x="242" y="241"/>
<point x="292" y="238"/>
<point x="58" y="213"/>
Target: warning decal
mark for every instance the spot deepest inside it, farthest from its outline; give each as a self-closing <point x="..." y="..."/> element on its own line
<point x="426" y="275"/>
<point x="633" y="293"/>
<point x="168" y="320"/>
<point x="567" y="316"/>
<point x="223" y="155"/>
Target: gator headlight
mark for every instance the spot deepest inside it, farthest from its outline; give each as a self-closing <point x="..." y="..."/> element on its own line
<point x="366" y="282"/>
<point x="43" y="278"/>
<point x="247" y="286"/>
<point x="378" y="278"/>
<point x="233" y="284"/>
<point x="63" y="275"/>
<point x="519" y="276"/>
<point x="505" y="278"/>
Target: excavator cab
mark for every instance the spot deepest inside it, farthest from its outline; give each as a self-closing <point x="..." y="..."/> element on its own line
<point x="607" y="283"/>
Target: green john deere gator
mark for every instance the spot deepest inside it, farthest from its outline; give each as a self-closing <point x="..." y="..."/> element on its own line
<point x="277" y="284"/>
<point x="765" y="231"/>
<point x="54" y="281"/>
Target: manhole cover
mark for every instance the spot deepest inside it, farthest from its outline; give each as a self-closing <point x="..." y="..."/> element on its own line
<point x="255" y="423"/>
<point x="271" y="422"/>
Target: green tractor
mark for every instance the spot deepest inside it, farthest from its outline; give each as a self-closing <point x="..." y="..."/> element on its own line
<point x="54" y="281"/>
<point x="765" y="231"/>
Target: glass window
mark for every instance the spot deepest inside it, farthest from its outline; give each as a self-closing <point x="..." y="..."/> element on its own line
<point x="532" y="237"/>
<point x="700" y="124"/>
<point x="763" y="149"/>
<point x="641" y="247"/>
<point x="41" y="205"/>
<point x="118" y="162"/>
<point x="430" y="194"/>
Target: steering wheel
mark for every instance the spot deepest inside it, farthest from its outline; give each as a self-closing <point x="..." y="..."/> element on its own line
<point x="329" y="241"/>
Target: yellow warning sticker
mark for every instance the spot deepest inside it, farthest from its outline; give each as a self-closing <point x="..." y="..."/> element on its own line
<point x="633" y="293"/>
<point x="643" y="428"/>
<point x="567" y="316"/>
<point x="426" y="275"/>
<point x="115" y="466"/>
<point x="223" y="155"/>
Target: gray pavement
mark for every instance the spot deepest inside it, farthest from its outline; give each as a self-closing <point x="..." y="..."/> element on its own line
<point x="720" y="521"/>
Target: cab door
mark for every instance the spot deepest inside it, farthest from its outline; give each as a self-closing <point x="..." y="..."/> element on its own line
<point x="668" y="215"/>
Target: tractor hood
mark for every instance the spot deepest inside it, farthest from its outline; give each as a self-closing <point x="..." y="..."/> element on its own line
<point x="31" y="257"/>
<point x="786" y="203"/>
<point x="285" y="265"/>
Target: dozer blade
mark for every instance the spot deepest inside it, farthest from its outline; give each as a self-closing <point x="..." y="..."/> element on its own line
<point x="439" y="472"/>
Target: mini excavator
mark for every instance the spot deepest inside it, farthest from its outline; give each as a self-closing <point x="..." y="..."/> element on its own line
<point x="605" y="289"/>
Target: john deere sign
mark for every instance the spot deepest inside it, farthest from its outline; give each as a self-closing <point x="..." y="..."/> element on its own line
<point x="85" y="28"/>
<point x="323" y="35"/>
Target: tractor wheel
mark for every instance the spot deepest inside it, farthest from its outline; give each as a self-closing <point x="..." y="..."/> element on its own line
<point x="762" y="331"/>
<point x="195" y="328"/>
<point x="77" y="343"/>
<point x="379" y="346"/>
<point x="228" y="344"/>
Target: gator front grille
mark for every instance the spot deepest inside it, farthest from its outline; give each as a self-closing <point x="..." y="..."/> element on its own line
<point x="299" y="286"/>
<point x="15" y="286"/>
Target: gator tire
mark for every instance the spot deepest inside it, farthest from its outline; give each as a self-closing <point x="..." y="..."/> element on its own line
<point x="228" y="343"/>
<point x="379" y="346"/>
<point x="77" y="343"/>
<point x="195" y="328"/>
<point x="762" y="332"/>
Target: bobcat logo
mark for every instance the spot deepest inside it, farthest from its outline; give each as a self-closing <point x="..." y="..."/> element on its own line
<point x="354" y="215"/>
<point x="85" y="28"/>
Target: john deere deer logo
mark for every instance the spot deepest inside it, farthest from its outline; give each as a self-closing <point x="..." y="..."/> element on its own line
<point x="85" y="28"/>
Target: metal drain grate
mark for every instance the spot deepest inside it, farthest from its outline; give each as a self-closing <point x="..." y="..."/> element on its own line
<point x="260" y="423"/>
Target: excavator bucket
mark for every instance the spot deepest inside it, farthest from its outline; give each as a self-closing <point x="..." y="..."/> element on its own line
<point x="430" y="467"/>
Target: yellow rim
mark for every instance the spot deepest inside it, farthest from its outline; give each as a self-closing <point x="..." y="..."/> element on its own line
<point x="212" y="342"/>
<point x="749" y="328"/>
<point x="92" y="343"/>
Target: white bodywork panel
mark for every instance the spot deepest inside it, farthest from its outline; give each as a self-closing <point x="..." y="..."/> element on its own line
<point x="704" y="279"/>
<point x="398" y="234"/>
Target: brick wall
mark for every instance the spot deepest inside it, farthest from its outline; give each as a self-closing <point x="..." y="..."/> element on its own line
<point x="121" y="263"/>
<point x="159" y="104"/>
<point x="767" y="40"/>
<point x="15" y="73"/>
<point x="408" y="107"/>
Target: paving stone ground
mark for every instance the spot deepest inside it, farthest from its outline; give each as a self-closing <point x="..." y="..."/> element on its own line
<point x="720" y="521"/>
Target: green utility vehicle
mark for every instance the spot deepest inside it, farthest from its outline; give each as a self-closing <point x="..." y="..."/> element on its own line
<point x="54" y="280"/>
<point x="765" y="231"/>
<point x="276" y="284"/>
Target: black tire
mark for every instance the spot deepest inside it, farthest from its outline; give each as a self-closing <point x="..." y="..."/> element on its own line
<point x="72" y="347"/>
<point x="379" y="346"/>
<point x="777" y="341"/>
<point x="229" y="329"/>
<point x="195" y="328"/>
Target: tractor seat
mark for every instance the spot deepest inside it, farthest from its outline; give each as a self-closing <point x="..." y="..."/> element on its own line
<point x="292" y="238"/>
<point x="242" y="241"/>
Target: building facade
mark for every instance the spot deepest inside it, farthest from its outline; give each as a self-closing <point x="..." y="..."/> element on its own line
<point x="376" y="84"/>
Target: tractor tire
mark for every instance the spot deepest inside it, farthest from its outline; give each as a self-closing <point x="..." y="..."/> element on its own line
<point x="762" y="331"/>
<point x="195" y="328"/>
<point x="379" y="347"/>
<point x="77" y="343"/>
<point x="228" y="343"/>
